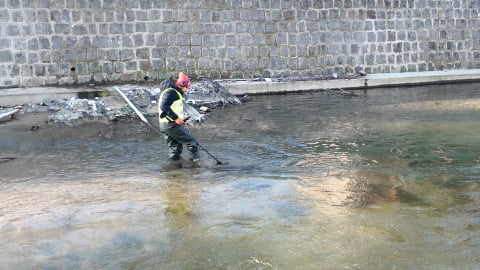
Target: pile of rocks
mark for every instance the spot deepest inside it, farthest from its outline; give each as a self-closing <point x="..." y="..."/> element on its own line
<point x="106" y="104"/>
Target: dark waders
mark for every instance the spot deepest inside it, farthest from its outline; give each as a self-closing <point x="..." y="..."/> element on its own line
<point x="175" y="136"/>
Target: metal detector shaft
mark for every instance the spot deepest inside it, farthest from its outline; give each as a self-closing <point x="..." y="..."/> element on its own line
<point x="212" y="156"/>
<point x="132" y="106"/>
<point x="145" y="120"/>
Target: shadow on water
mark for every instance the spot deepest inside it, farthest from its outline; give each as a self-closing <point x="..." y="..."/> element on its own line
<point x="314" y="181"/>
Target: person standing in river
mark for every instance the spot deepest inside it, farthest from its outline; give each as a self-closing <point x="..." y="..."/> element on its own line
<point x="171" y="117"/>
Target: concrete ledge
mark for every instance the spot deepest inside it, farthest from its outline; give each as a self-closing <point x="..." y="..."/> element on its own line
<point x="366" y="82"/>
<point x="20" y="96"/>
<point x="245" y="87"/>
<point x="415" y="78"/>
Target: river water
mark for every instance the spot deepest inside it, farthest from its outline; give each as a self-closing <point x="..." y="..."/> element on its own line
<point x="385" y="180"/>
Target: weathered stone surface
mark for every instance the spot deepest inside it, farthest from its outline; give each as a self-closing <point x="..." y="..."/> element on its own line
<point x="134" y="40"/>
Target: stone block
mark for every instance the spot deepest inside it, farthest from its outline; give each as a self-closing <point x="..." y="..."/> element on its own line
<point x="100" y="41"/>
<point x="335" y="49"/>
<point x="131" y="65"/>
<point x="20" y="44"/>
<point x="33" y="58"/>
<point x="196" y="52"/>
<point x="116" y="28"/>
<point x="159" y="53"/>
<point x="44" y="57"/>
<point x="39" y="70"/>
<point x="158" y="64"/>
<point x="138" y="40"/>
<point x="182" y="40"/>
<point x="142" y="53"/>
<point x="12" y="30"/>
<point x="19" y="57"/>
<point x="203" y="64"/>
<point x="32" y="44"/>
<point x="114" y="55"/>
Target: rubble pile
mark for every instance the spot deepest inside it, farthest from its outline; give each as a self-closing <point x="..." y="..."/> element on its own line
<point x="210" y="93"/>
<point x="203" y="96"/>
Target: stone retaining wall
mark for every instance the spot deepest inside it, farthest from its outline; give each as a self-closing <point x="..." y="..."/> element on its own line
<point x="62" y="42"/>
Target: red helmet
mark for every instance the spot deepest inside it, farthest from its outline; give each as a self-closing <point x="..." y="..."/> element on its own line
<point x="183" y="80"/>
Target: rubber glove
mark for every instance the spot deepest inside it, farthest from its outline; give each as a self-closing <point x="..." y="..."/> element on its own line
<point x="179" y="121"/>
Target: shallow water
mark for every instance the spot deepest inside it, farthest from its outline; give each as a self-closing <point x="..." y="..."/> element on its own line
<point x="386" y="180"/>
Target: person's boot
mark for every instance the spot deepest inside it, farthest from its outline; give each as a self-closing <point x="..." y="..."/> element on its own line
<point x="173" y="164"/>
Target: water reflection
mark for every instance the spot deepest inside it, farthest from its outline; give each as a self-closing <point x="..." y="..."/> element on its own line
<point x="314" y="182"/>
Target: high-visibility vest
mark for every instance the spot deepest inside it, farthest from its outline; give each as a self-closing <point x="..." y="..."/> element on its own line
<point x="177" y="106"/>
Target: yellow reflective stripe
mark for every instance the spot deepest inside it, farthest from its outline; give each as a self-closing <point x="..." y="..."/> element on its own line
<point x="177" y="107"/>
